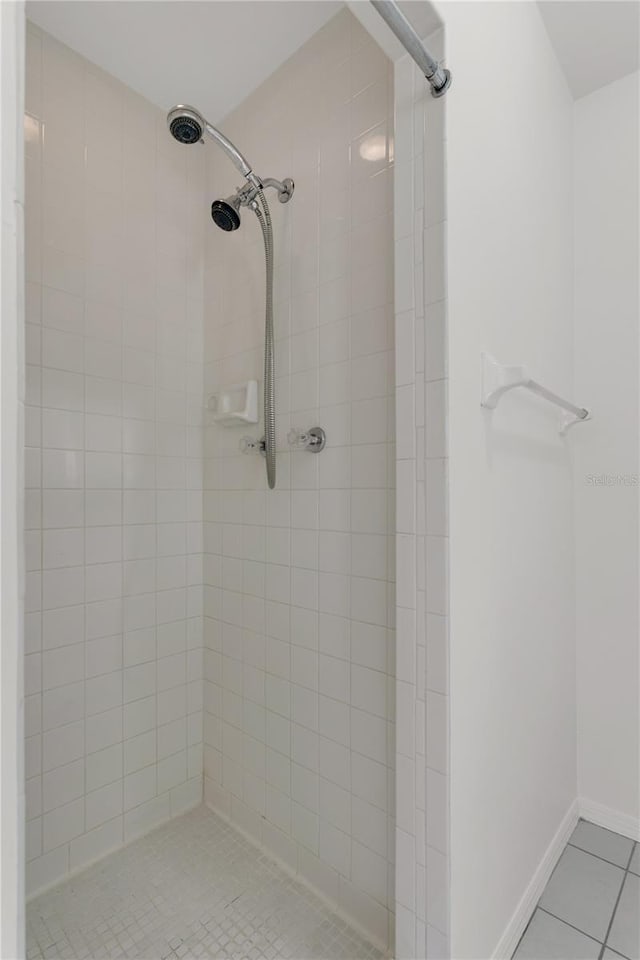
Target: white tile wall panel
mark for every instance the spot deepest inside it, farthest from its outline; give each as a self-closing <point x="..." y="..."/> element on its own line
<point x="114" y="332"/>
<point x="421" y="877"/>
<point x="298" y="581"/>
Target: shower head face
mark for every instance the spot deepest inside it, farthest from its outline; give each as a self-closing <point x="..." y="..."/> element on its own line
<point x="225" y="213"/>
<point x="185" y="124"/>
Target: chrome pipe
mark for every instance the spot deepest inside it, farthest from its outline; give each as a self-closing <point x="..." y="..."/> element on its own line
<point x="229" y="148"/>
<point x="262" y="212"/>
<point x="284" y="187"/>
<point x="438" y="76"/>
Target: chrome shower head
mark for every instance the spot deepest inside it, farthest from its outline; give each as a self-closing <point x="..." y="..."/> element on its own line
<point x="226" y="213"/>
<point x="185" y="124"/>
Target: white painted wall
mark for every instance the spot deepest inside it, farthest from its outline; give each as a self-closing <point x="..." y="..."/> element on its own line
<point x="606" y="377"/>
<point x="510" y="228"/>
<point x="11" y="480"/>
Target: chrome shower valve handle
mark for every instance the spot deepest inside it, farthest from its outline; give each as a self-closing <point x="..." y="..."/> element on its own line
<point x="313" y="440"/>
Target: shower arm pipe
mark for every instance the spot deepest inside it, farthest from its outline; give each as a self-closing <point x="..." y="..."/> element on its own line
<point x="438" y="76"/>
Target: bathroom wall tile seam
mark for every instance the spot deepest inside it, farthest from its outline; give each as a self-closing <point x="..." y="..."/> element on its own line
<point x="421" y="921"/>
<point x="65" y="787"/>
<point x="407" y="851"/>
<point x="436" y="584"/>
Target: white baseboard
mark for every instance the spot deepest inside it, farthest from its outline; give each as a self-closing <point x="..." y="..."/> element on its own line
<point x="522" y="914"/>
<point x="609" y="819"/>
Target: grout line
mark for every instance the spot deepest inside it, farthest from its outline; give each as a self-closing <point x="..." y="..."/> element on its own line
<point x="615" y="908"/>
<point x="630" y="858"/>
<point x="603" y="944"/>
<point x="616" y="953"/>
<point x="525" y="931"/>
<point x="598" y="857"/>
<point x="573" y="927"/>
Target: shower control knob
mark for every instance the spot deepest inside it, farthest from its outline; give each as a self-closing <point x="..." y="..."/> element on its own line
<point x="313" y="440"/>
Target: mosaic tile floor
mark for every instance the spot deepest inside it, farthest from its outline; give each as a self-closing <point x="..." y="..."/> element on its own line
<point x="192" y="888"/>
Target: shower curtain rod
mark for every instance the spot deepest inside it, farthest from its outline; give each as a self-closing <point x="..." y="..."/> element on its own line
<point x="438" y="77"/>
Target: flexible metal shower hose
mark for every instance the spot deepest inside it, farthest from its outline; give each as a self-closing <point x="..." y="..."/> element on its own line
<point x="264" y="216"/>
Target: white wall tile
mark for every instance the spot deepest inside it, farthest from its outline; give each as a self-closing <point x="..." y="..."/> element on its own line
<point x="421" y="418"/>
<point x="99" y="415"/>
<point x="62" y="785"/>
<point x="63" y="824"/>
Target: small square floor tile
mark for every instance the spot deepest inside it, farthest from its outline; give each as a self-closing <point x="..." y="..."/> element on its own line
<point x="625" y="929"/>
<point x="547" y="938"/>
<point x="634" y="866"/>
<point x="602" y="843"/>
<point x="193" y="888"/>
<point x="583" y="891"/>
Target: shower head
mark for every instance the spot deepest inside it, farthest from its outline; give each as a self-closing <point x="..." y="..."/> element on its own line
<point x="185" y="124"/>
<point x="226" y="213"/>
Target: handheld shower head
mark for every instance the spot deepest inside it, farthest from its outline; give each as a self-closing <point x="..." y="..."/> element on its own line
<point x="185" y="124"/>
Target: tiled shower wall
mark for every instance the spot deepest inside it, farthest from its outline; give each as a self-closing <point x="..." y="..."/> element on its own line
<point x="299" y="581"/>
<point x="422" y="739"/>
<point x="114" y="234"/>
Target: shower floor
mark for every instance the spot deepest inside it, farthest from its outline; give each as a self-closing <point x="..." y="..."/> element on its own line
<point x="192" y="888"/>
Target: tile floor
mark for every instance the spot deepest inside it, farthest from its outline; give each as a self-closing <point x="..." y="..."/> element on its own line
<point x="590" y="908"/>
<point x="192" y="888"/>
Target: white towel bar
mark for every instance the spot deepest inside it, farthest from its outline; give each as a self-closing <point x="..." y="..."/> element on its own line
<point x="498" y="379"/>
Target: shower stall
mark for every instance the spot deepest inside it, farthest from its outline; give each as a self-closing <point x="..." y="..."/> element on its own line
<point x="211" y="663"/>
